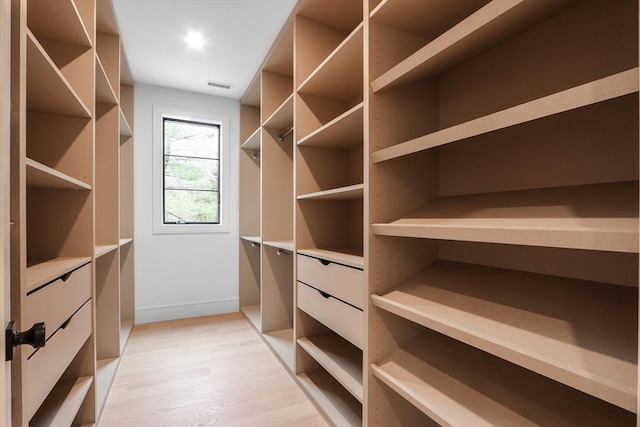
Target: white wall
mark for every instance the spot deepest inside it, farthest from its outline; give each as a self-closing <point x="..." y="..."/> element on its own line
<point x="181" y="275"/>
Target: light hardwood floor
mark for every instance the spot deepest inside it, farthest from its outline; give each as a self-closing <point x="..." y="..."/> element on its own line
<point x="207" y="371"/>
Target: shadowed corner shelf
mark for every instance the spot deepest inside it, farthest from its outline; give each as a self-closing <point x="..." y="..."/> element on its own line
<point x="597" y="217"/>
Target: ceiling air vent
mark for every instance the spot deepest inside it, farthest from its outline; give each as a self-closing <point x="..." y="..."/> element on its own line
<point x="219" y="84"/>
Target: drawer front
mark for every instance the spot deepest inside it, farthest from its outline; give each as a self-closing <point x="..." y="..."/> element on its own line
<point x="46" y="366"/>
<point x="342" y="282"/>
<point x="57" y="301"/>
<point x="345" y="320"/>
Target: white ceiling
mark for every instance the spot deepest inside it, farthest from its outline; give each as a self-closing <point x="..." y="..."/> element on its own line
<point x="238" y="35"/>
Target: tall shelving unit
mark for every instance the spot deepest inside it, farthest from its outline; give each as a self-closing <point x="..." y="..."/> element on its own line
<point x="266" y="199"/>
<point x="329" y="206"/>
<point x="465" y="193"/>
<point x="250" y="204"/>
<point x="277" y="198"/>
<point x="65" y="207"/>
<point x="504" y="203"/>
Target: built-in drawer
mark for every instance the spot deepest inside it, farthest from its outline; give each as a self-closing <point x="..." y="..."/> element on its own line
<point x="344" y="319"/>
<point x="54" y="303"/>
<point x="345" y="283"/>
<point x="46" y="366"/>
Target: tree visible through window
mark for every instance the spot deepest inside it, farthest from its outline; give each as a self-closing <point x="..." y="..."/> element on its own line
<point x="191" y="166"/>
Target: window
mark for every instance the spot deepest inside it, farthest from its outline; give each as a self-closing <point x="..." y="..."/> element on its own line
<point x="190" y="171"/>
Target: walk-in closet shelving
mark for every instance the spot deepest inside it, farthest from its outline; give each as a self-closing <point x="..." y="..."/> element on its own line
<point x="250" y="204"/>
<point x="126" y="198"/>
<point x="466" y="210"/>
<point x="510" y="194"/>
<point x="51" y="207"/>
<point x="277" y="216"/>
<point x="107" y="200"/>
<point x="273" y="267"/>
<point x="64" y="203"/>
<point x="329" y="176"/>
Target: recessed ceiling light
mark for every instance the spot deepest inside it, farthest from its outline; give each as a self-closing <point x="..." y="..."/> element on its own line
<point x="195" y="40"/>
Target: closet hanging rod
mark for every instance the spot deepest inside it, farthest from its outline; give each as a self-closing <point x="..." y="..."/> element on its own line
<point x="255" y="155"/>
<point x="284" y="135"/>
<point x="283" y="252"/>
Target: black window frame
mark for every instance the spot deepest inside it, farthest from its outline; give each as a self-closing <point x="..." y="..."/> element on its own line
<point x="165" y="119"/>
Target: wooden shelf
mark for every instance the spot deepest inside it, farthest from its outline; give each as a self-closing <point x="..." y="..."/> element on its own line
<point x="339" y="406"/>
<point x="126" y="326"/>
<point x="253" y="142"/>
<point x="63" y="403"/>
<point x="350" y="192"/>
<point x="427" y="19"/>
<point x="339" y="357"/>
<point x="340" y="75"/>
<point x="580" y="333"/>
<point x="281" y="342"/>
<point x="252" y="239"/>
<point x="495" y="22"/>
<point x="59" y="20"/>
<point x="41" y="176"/>
<point x="49" y="91"/>
<point x="44" y="272"/>
<point x="596" y="217"/>
<point x="457" y="385"/>
<point x="253" y="314"/>
<point x="282" y="118"/>
<point x="104" y="91"/>
<point x="286" y="245"/>
<point x="604" y="89"/>
<point x="125" y="128"/>
<point x="351" y="257"/>
<point x="343" y="132"/>
<point x="105" y="373"/>
<point x="125" y="241"/>
<point x="101" y="250"/>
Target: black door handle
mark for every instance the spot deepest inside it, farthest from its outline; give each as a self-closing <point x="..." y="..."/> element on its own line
<point x="35" y="337"/>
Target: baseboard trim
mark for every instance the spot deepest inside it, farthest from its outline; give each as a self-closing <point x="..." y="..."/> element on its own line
<point x="184" y="311"/>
